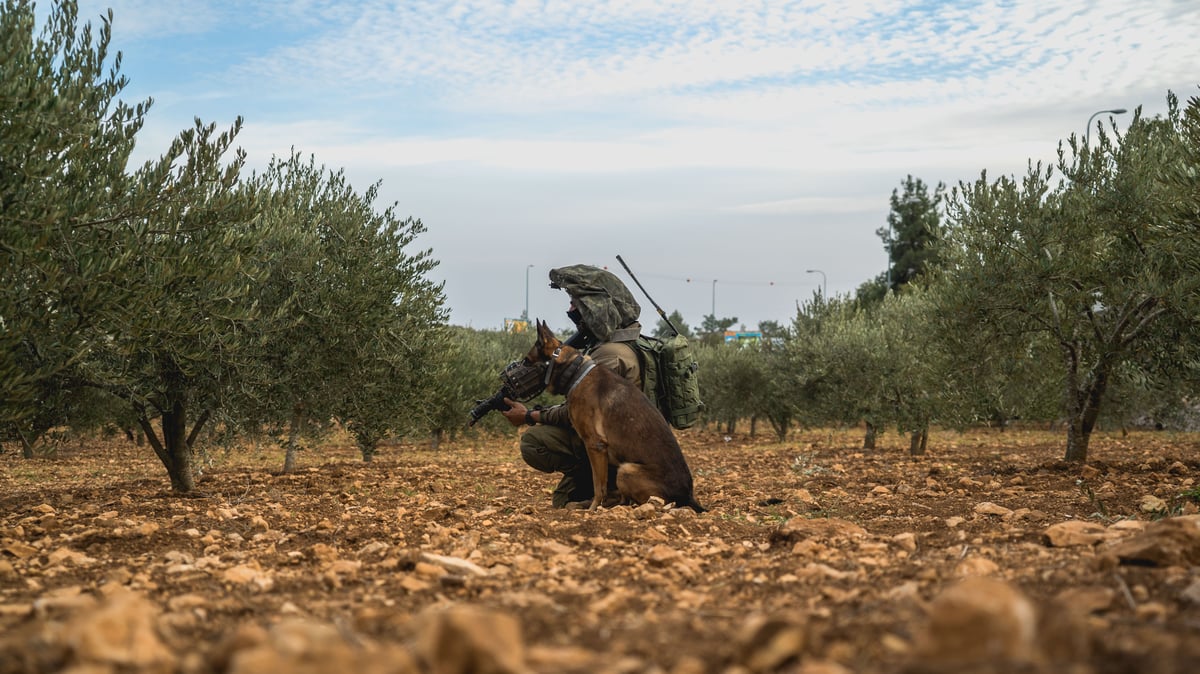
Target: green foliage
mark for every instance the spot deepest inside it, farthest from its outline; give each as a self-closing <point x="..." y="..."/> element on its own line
<point x="180" y="343"/>
<point x="756" y="381"/>
<point x="1098" y="260"/>
<point x="662" y="329"/>
<point x="471" y="371"/>
<point x="712" y="329"/>
<point x="873" y="291"/>
<point x="836" y="351"/>
<point x="730" y="377"/>
<point x="353" y="307"/>
<point x="772" y="331"/>
<point x="183" y="288"/>
<point x="913" y="232"/>
<point x="65" y="140"/>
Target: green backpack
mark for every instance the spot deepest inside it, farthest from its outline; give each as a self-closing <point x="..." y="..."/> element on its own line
<point x="669" y="378"/>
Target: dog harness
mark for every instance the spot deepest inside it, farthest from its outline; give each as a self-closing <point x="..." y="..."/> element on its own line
<point x="570" y="376"/>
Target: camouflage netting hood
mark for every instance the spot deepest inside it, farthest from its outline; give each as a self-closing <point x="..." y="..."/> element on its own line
<point x="604" y="303"/>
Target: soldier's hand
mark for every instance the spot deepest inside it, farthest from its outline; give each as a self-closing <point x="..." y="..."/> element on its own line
<point x="515" y="412"/>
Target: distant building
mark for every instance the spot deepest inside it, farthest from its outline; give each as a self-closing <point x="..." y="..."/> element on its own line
<point x="516" y="325"/>
<point x="742" y="338"/>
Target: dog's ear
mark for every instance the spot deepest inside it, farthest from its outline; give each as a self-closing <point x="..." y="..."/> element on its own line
<point x="535" y="351"/>
<point x="546" y="341"/>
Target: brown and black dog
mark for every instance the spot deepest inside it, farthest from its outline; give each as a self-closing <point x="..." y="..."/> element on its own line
<point x="618" y="424"/>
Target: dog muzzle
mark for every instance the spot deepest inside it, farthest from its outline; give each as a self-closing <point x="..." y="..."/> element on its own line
<point x="524" y="381"/>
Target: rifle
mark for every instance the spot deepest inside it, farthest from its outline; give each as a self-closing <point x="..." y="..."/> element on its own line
<point x="518" y="381"/>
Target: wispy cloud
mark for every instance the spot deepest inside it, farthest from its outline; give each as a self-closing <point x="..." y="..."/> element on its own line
<point x="784" y="116"/>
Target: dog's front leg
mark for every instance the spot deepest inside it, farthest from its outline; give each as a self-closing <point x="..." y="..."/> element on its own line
<point x="598" y="457"/>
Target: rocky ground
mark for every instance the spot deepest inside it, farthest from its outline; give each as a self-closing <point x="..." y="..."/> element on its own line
<point x="986" y="555"/>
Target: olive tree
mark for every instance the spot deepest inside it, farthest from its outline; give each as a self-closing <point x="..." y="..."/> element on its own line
<point x="65" y="194"/>
<point x="1098" y="256"/>
<point x="835" y="351"/>
<point x="730" y="375"/>
<point x="176" y="350"/>
<point x="355" y="324"/>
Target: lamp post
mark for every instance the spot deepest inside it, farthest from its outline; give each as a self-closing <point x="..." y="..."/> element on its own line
<point x="818" y="271"/>
<point x="526" y="316"/>
<point x="714" y="300"/>
<point x="1088" y="133"/>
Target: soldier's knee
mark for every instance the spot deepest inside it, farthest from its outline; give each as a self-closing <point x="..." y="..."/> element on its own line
<point x="543" y="454"/>
<point x="537" y="455"/>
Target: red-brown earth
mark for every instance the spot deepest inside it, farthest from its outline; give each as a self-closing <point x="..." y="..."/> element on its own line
<point x="987" y="554"/>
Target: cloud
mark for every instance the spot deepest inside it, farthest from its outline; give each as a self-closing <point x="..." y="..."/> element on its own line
<point x="494" y="121"/>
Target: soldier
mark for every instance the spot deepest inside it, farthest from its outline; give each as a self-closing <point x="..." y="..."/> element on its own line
<point x="606" y="316"/>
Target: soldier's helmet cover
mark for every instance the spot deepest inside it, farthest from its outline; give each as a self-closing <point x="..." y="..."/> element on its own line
<point x="604" y="303"/>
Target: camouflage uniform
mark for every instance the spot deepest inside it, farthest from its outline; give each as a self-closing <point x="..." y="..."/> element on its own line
<point x="608" y="313"/>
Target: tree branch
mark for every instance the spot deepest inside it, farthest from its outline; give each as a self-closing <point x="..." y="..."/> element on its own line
<point x="191" y="438"/>
<point x="155" y="442"/>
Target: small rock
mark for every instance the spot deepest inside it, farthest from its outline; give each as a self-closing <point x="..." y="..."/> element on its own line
<point x="1170" y="542"/>
<point x="414" y="584"/>
<point x="1087" y="600"/>
<point x="765" y="643"/>
<point x="976" y="566"/>
<point x="906" y="541"/>
<point x="1072" y="533"/>
<point x="979" y="620"/>
<point x="646" y="511"/>
<point x="1152" y="612"/>
<point x="989" y="508"/>
<point x="373" y="548"/>
<point x="1191" y="595"/>
<point x="805" y="496"/>
<point x="19" y="550"/>
<point x="245" y="574"/>
<point x="120" y="633"/>
<point x="798" y="528"/>
<point x="69" y="556"/>
<point x="661" y="555"/>
<point x="462" y="639"/>
<point x="822" y="667"/>
<point x="1152" y="504"/>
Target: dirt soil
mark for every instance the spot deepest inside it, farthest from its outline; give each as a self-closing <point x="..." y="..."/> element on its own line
<point x="987" y="554"/>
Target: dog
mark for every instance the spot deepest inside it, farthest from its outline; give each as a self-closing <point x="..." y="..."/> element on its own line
<point x="619" y="425"/>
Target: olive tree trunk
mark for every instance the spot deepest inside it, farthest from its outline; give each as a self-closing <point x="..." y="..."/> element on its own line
<point x="174" y="448"/>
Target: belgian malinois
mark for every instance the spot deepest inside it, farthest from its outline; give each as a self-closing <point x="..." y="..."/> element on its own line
<point x="618" y="424"/>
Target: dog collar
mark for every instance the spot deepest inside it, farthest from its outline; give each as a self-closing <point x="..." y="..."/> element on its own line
<point x="571" y="375"/>
<point x="588" y="364"/>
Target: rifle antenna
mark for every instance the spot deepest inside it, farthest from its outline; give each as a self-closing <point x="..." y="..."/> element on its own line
<point x="661" y="313"/>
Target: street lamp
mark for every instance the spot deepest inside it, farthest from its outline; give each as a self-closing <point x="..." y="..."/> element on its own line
<point x="818" y="271"/>
<point x="714" y="300"/>
<point x="1088" y="134"/>
<point x="526" y="317"/>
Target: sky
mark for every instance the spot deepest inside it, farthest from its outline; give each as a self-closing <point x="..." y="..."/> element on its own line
<point x="738" y="155"/>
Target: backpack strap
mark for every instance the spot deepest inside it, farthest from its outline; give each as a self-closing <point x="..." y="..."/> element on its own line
<point x="629" y="334"/>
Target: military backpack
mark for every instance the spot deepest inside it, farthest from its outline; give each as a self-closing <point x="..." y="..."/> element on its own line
<point x="670" y="377"/>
